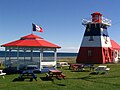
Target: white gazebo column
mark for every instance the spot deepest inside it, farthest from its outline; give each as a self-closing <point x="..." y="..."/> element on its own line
<point x="41" y="58"/>
<point x="24" y="53"/>
<point x="5" y="57"/>
<point x="31" y="57"/>
<point x="55" y="57"/>
<point x="10" y="55"/>
<point x="18" y="58"/>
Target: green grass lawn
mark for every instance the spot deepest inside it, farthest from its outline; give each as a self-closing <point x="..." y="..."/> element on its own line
<point x="73" y="81"/>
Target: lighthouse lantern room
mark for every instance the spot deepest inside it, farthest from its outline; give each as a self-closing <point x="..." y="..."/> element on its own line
<point x="96" y="45"/>
<point x="96" y="17"/>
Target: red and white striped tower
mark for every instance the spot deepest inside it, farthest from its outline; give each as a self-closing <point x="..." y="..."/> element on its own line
<point x="96" y="45"/>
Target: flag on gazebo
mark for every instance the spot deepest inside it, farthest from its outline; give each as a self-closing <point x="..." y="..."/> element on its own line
<point x="36" y="28"/>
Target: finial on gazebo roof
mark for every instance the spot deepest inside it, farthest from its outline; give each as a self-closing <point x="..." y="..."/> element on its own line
<point x="31" y="36"/>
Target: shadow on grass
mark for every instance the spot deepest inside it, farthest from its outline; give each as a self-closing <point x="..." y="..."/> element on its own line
<point x="96" y="80"/>
<point x="21" y="79"/>
<point x="17" y="79"/>
<point x="46" y="79"/>
<point x="60" y="84"/>
<point x="53" y="81"/>
<point x="66" y="69"/>
<point x="100" y="79"/>
<point x="80" y="70"/>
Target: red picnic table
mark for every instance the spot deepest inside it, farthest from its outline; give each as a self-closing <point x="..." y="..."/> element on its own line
<point x="76" y="66"/>
<point x="81" y="67"/>
<point x="55" y="73"/>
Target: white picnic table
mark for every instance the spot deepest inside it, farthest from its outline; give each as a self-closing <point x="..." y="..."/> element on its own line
<point x="102" y="69"/>
<point x="62" y="64"/>
<point x="2" y="74"/>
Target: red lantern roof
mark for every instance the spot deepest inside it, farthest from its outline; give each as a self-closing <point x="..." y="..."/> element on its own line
<point x="96" y="13"/>
<point x="31" y="41"/>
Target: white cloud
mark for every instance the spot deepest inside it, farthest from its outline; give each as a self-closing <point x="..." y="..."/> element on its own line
<point x="69" y="49"/>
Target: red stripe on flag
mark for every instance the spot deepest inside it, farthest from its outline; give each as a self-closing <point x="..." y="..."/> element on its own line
<point x="37" y="28"/>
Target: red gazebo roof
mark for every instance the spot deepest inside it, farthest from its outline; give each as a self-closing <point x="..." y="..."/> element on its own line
<point x="31" y="40"/>
<point x="115" y="45"/>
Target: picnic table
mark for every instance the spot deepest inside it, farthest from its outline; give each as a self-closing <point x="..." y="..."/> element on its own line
<point x="81" y="67"/>
<point x="102" y="69"/>
<point x="2" y="74"/>
<point x="55" y="73"/>
<point x="76" y="67"/>
<point x="27" y="74"/>
<point x="62" y="64"/>
<point x="91" y="66"/>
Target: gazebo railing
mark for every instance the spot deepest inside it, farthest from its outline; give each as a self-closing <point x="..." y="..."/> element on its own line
<point x="13" y="62"/>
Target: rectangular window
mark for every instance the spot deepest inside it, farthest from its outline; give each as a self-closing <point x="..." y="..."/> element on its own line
<point x="96" y="17"/>
<point x="89" y="52"/>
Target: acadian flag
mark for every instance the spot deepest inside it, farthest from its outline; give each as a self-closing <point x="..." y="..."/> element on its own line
<point x="37" y="28"/>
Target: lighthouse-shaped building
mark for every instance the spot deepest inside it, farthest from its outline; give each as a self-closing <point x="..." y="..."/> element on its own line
<point x="96" y="44"/>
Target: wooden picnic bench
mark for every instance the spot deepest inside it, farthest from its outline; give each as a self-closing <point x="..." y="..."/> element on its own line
<point x="76" y="67"/>
<point x="28" y="74"/>
<point x="55" y="73"/>
<point x="81" y="67"/>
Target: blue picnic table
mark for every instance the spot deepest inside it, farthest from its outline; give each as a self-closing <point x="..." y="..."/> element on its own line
<point x="27" y="74"/>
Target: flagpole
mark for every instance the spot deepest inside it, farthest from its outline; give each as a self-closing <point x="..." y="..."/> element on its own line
<point x="32" y="29"/>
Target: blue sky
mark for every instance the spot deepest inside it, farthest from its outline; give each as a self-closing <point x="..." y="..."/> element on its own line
<point x="60" y="20"/>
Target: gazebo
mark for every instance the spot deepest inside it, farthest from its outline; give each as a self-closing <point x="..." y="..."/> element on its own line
<point x="30" y="43"/>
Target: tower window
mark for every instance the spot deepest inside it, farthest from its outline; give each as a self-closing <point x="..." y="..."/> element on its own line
<point x="96" y="17"/>
<point x="91" y="38"/>
<point x="89" y="52"/>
